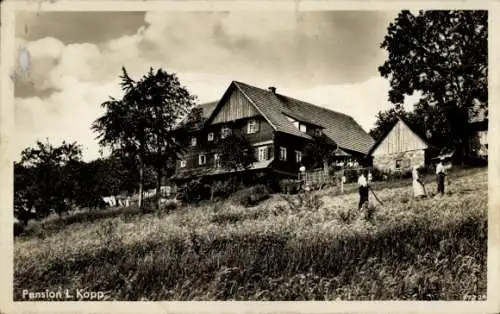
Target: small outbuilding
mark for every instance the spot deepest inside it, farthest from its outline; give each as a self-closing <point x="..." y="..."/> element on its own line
<point x="401" y="148"/>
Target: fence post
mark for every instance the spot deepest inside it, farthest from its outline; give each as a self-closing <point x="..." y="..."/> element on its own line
<point x="342" y="181"/>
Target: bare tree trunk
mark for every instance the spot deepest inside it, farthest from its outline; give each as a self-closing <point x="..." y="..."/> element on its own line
<point x="159" y="174"/>
<point x="141" y="183"/>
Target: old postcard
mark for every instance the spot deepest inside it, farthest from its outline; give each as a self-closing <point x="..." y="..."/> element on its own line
<point x="300" y="156"/>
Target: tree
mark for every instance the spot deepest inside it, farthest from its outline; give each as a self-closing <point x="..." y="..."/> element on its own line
<point x="166" y="105"/>
<point x="45" y="179"/>
<point x="98" y="178"/>
<point x="123" y="127"/>
<point x="141" y="125"/>
<point x="319" y="153"/>
<point x="444" y="56"/>
<point x="386" y="120"/>
<point x="235" y="153"/>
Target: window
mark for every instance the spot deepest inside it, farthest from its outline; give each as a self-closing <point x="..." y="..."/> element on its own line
<point x="263" y="153"/>
<point x="296" y="124"/>
<point x="225" y="131"/>
<point x="216" y="160"/>
<point x="303" y="128"/>
<point x="183" y="163"/>
<point x="193" y="141"/>
<point x="398" y="163"/>
<point x="202" y="159"/>
<point x="298" y="156"/>
<point x="282" y="153"/>
<point x="252" y="127"/>
<point x="210" y="136"/>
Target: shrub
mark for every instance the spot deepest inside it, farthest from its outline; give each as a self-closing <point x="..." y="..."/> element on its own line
<point x="384" y="175"/>
<point x="193" y="191"/>
<point x="252" y="196"/>
<point x="351" y="175"/>
<point x="377" y="174"/>
<point x="222" y="189"/>
<point x="289" y="186"/>
<point x="170" y="204"/>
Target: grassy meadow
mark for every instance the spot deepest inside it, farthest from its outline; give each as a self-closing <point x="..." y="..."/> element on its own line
<point x="289" y="247"/>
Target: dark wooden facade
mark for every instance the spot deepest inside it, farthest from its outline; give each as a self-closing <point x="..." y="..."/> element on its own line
<point x="264" y="136"/>
<point x="235" y="114"/>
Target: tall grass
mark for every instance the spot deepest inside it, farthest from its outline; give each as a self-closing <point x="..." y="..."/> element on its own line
<point x="313" y="247"/>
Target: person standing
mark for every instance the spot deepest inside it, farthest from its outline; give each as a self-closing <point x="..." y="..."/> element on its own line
<point x="418" y="185"/>
<point x="440" y="175"/>
<point x="363" y="189"/>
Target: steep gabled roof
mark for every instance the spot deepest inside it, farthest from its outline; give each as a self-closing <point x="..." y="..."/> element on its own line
<point x="208" y="108"/>
<point x="416" y="130"/>
<point x="339" y="127"/>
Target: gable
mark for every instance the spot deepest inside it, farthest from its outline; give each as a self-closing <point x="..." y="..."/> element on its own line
<point x="235" y="107"/>
<point x="400" y="139"/>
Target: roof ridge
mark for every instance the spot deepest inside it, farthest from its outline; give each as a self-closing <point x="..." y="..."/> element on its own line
<point x="295" y="99"/>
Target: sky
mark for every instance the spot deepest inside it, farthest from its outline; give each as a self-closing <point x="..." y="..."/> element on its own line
<point x="328" y="58"/>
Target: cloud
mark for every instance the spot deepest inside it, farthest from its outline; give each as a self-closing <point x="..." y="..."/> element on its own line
<point x="77" y="27"/>
<point x="64" y="115"/>
<point x="327" y="58"/>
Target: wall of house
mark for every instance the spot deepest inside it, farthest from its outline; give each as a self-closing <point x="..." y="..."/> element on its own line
<point x="406" y="159"/>
<point x="400" y="139"/>
<point x="264" y="134"/>
<point x="292" y="144"/>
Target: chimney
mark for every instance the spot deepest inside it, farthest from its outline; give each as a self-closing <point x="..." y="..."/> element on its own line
<point x="272" y="89"/>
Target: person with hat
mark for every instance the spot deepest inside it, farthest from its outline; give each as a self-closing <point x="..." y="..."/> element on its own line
<point x="440" y="175"/>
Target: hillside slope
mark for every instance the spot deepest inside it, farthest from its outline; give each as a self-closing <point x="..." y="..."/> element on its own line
<point x="288" y="248"/>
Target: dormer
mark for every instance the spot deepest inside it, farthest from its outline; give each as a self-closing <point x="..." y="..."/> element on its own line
<point x="305" y="127"/>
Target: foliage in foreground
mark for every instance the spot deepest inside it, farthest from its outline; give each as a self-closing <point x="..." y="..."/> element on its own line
<point x="284" y="249"/>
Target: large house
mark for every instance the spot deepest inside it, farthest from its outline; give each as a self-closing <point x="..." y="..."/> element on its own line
<point x="277" y="126"/>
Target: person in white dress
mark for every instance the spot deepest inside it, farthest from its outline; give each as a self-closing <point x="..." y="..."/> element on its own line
<point x="418" y="185"/>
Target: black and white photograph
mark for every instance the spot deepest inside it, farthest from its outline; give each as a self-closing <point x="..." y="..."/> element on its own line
<point x="250" y="155"/>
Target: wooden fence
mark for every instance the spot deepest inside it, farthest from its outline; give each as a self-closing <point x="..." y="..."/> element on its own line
<point x="317" y="178"/>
